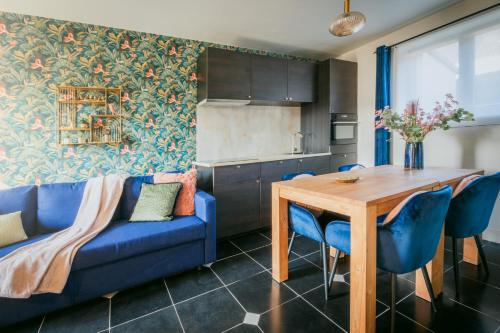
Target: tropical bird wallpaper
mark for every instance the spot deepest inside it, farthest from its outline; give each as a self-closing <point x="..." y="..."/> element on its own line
<point x="157" y="75"/>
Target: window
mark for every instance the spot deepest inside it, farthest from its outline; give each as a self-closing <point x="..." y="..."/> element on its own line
<point x="463" y="59"/>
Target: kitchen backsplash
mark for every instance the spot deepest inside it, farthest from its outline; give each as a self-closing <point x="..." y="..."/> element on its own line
<point x="239" y="132"/>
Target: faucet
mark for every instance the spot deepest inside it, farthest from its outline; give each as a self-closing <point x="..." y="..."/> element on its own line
<point x="301" y="135"/>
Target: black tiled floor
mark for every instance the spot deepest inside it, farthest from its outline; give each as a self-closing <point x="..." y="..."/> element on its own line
<point x="192" y="283"/>
<point x="138" y="301"/>
<point x="296" y="316"/>
<point x="202" y="303"/>
<point x="164" y="320"/>
<point x="92" y="316"/>
<point x="260" y="293"/>
<point x="213" y="312"/>
<point x="236" y="268"/>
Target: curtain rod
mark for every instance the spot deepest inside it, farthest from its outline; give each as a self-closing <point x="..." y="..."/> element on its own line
<point x="445" y="25"/>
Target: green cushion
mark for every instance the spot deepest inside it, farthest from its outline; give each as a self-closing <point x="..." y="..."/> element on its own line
<point x="156" y="202"/>
<point x="11" y="229"/>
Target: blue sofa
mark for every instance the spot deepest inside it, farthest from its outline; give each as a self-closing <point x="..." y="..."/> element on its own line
<point x="123" y="255"/>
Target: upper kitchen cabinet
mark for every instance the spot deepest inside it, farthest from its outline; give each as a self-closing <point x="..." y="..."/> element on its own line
<point x="224" y="75"/>
<point x="301" y="81"/>
<point x="231" y="76"/>
<point x="269" y="78"/>
<point x="343" y="86"/>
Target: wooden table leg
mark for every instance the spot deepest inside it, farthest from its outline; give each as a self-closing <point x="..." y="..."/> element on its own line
<point x="436" y="269"/>
<point x="363" y="270"/>
<point x="279" y="236"/>
<point x="471" y="254"/>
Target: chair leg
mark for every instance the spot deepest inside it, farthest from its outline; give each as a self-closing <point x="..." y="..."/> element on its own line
<point x="429" y="287"/>
<point x="393" y="300"/>
<point x="291" y="244"/>
<point x="334" y="268"/>
<point x="455" y="265"/>
<point x="325" y="269"/>
<point x="481" y="254"/>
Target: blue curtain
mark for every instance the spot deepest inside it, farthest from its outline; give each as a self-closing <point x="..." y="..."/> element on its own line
<point x="383" y="99"/>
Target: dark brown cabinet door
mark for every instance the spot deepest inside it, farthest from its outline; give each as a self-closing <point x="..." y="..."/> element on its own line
<point x="269" y="78"/>
<point x="344" y="85"/>
<point x="272" y="172"/>
<point x="229" y="74"/>
<point x="319" y="165"/>
<point x="301" y="81"/>
<point x="342" y="159"/>
<point x="237" y="191"/>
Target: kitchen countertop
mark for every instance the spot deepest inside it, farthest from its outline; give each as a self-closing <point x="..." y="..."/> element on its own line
<point x="237" y="161"/>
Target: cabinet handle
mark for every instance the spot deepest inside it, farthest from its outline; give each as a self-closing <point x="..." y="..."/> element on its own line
<point x="238" y="166"/>
<point x="249" y="96"/>
<point x="281" y="162"/>
<point x="300" y="161"/>
<point x="290" y="99"/>
<point x="257" y="181"/>
<point x="345" y="155"/>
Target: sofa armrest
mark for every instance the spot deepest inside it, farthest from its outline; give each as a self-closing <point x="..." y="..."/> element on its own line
<point x="204" y="206"/>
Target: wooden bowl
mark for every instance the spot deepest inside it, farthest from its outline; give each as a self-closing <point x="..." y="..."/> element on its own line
<point x="347" y="179"/>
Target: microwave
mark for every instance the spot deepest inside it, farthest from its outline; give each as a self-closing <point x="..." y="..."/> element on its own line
<point x="344" y="128"/>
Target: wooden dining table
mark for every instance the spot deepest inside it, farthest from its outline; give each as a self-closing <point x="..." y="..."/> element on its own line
<point x="378" y="190"/>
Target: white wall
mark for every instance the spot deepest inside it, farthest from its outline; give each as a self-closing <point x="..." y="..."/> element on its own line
<point x="470" y="147"/>
<point x="239" y="132"/>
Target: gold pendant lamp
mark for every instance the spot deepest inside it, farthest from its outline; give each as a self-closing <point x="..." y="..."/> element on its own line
<point x="348" y="22"/>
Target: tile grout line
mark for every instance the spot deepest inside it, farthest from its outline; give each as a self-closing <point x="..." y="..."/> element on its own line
<point x="469" y="307"/>
<point x="41" y="324"/>
<point x="173" y="304"/>
<point x="225" y="286"/>
<point x="497" y="330"/>
<point x="143" y="316"/>
<point x="416" y="322"/>
<point x="231" y="328"/>
<point x="109" y="313"/>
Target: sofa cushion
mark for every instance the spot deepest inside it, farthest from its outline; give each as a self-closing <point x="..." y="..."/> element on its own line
<point x="123" y="239"/>
<point x="58" y="205"/>
<point x="9" y="248"/>
<point x="11" y="229"/>
<point x="23" y="199"/>
<point x="131" y="193"/>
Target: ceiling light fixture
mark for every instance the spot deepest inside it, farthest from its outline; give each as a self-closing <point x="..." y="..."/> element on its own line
<point x="348" y="22"/>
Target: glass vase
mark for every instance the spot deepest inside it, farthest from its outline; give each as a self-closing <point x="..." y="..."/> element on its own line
<point x="414" y="155"/>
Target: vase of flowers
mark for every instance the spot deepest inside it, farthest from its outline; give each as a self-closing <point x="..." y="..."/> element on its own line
<point x="414" y="125"/>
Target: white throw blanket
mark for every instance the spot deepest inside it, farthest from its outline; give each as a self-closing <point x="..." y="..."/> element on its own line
<point x="44" y="266"/>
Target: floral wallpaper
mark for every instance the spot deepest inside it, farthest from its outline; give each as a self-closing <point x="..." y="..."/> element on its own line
<point x="157" y="75"/>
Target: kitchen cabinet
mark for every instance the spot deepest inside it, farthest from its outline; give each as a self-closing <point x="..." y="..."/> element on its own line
<point x="243" y="192"/>
<point x="342" y="159"/>
<point x="224" y="75"/>
<point x="272" y="172"/>
<point x="229" y="76"/>
<point x="344" y="86"/>
<point x="269" y="78"/>
<point x="237" y="190"/>
<point x="301" y="81"/>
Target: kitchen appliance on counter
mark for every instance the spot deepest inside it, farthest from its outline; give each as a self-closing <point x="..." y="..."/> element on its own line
<point x="343" y="128"/>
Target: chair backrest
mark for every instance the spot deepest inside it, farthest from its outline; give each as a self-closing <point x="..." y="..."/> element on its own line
<point x="303" y="222"/>
<point x="410" y="240"/>
<point x="348" y="167"/>
<point x="293" y="175"/>
<point x="471" y="209"/>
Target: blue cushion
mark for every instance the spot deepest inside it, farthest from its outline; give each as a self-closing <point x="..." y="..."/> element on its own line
<point x="22" y="199"/>
<point x="131" y="193"/>
<point x="124" y="239"/>
<point x="58" y="205"/>
<point x="291" y="176"/>
<point x="303" y="222"/>
<point x="9" y="248"/>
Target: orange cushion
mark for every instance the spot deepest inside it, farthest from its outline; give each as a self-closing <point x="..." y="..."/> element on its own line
<point x="185" y="200"/>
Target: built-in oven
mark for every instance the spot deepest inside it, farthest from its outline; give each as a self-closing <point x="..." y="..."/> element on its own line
<point x="344" y="128"/>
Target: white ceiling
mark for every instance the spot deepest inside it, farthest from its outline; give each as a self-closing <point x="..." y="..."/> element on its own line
<point x="298" y="27"/>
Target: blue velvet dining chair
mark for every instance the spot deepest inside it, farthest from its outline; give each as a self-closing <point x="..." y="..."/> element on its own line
<point x="348" y="167"/>
<point x="469" y="215"/>
<point x="303" y="222"/>
<point x="405" y="243"/>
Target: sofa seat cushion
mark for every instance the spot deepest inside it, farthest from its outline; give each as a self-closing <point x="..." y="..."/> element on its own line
<point x="9" y="248"/>
<point x="123" y="239"/>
